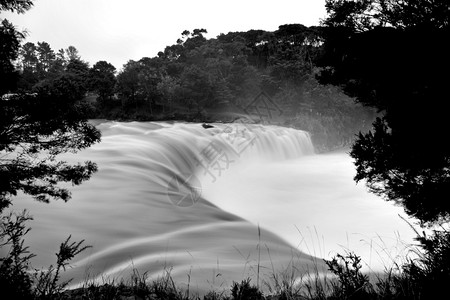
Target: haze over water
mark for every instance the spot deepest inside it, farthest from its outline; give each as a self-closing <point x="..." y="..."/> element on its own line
<point x="135" y="210"/>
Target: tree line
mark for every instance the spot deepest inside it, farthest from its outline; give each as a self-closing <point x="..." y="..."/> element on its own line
<point x="196" y="76"/>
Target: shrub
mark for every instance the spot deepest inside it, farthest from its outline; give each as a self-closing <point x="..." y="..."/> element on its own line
<point x="15" y="280"/>
<point x="352" y="284"/>
<point x="430" y="273"/>
<point x="47" y="282"/>
<point x="244" y="291"/>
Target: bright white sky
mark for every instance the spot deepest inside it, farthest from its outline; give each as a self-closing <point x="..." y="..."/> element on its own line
<point x="118" y="30"/>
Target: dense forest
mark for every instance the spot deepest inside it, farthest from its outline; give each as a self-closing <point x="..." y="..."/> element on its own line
<point x="206" y="80"/>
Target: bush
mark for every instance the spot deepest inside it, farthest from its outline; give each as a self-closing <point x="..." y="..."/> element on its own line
<point x="352" y="284"/>
<point x="244" y="291"/>
<point x="430" y="273"/>
<point x="16" y="279"/>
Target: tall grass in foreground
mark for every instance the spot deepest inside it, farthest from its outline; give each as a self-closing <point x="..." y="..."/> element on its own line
<point x="424" y="275"/>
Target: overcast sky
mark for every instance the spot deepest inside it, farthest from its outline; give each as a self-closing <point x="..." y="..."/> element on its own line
<point x="118" y="30"/>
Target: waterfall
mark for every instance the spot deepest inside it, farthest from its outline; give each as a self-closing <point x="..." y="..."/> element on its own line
<point x="191" y="198"/>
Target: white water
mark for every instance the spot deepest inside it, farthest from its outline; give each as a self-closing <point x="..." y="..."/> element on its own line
<point x="305" y="204"/>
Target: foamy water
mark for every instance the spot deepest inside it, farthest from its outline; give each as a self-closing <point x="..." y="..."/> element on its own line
<point x="187" y="198"/>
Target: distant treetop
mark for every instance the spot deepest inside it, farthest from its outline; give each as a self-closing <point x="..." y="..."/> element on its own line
<point x="19" y="6"/>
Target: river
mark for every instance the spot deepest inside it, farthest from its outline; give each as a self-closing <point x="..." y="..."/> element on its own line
<point x="213" y="205"/>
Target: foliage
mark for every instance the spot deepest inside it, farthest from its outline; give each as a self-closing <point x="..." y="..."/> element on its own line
<point x="424" y="276"/>
<point x="414" y="179"/>
<point x="40" y="63"/>
<point x="10" y="40"/>
<point x="243" y="290"/>
<point x="390" y="55"/>
<point x="362" y="15"/>
<point x="15" y="280"/>
<point x="102" y="80"/>
<point x="34" y="130"/>
<point x="352" y="283"/>
<point x="47" y="281"/>
<point x="197" y="77"/>
<point x="430" y="272"/>
<point x="16" y="277"/>
<point x="39" y="124"/>
<point x="19" y="6"/>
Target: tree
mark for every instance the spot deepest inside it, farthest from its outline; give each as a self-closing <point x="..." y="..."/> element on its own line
<point x="33" y="131"/>
<point x="295" y="47"/>
<point x="9" y="47"/>
<point x="393" y="55"/>
<point x="28" y="56"/>
<point x="46" y="57"/>
<point x="58" y="65"/>
<point x="138" y="82"/>
<point x="72" y="53"/>
<point x="102" y="79"/>
<point x="29" y="62"/>
<point x="167" y="88"/>
<point x="127" y="82"/>
<point x="193" y="39"/>
<point x="36" y="127"/>
<point x="19" y="6"/>
<point x="77" y="72"/>
<point x="196" y="89"/>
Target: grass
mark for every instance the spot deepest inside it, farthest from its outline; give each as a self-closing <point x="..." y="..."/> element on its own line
<point x="422" y="275"/>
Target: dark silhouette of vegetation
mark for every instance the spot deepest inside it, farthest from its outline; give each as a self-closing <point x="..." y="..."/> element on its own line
<point x="10" y="38"/>
<point x="47" y="281"/>
<point x="244" y="290"/>
<point x="35" y="126"/>
<point x="391" y="55"/>
<point x="15" y="280"/>
<point x="351" y="283"/>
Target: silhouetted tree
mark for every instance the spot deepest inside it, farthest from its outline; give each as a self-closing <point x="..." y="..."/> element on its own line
<point x="393" y="55"/>
<point x="35" y="128"/>
<point x="72" y="53"/>
<point x="77" y="73"/>
<point x="46" y="57"/>
<point x="9" y="47"/>
<point x="28" y="56"/>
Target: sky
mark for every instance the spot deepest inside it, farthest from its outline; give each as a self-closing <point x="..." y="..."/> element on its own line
<point x="117" y="30"/>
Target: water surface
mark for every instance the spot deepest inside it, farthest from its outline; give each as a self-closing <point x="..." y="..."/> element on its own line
<point x="213" y="205"/>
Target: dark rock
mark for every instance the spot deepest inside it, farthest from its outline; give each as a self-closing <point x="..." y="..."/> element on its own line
<point x="206" y="126"/>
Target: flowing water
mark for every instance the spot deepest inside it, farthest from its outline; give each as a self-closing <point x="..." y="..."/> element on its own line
<point x="213" y="205"/>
